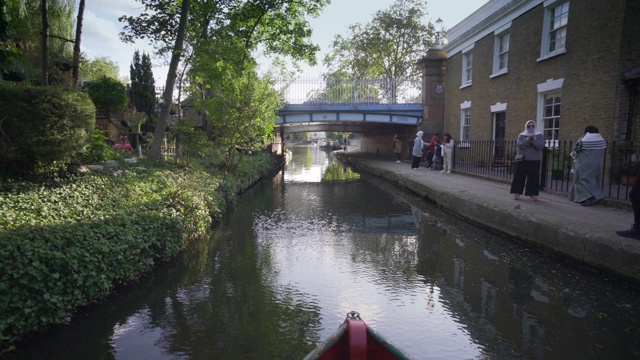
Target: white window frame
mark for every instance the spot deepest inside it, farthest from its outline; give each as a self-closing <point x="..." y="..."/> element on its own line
<point x="500" y="51"/>
<point x="553" y="25"/>
<point x="467" y="67"/>
<point x="551" y="86"/>
<point x="465" y="121"/>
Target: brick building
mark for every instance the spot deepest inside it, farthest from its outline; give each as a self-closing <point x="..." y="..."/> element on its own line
<point x="564" y="64"/>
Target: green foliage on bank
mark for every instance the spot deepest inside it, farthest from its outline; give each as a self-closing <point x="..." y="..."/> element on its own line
<point x="69" y="242"/>
<point x="40" y="126"/>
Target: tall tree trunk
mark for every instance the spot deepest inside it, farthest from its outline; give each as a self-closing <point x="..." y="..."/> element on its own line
<point x="158" y="135"/>
<point x="44" y="80"/>
<point x="76" y="46"/>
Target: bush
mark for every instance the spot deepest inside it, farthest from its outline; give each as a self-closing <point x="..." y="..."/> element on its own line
<point x="193" y="142"/>
<point x="67" y="244"/>
<point x="108" y="94"/>
<point x="98" y="150"/>
<point x="62" y="248"/>
<point x="41" y="126"/>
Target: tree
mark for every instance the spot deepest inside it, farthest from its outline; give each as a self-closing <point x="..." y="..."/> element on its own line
<point x="76" y="45"/>
<point x="143" y="89"/>
<point x="224" y="31"/>
<point x="388" y="47"/>
<point x="159" y="133"/>
<point x="191" y="140"/>
<point x="242" y="112"/>
<point x="298" y="136"/>
<point x="108" y="95"/>
<point x="44" y="80"/>
<point x="35" y="35"/>
<point x="99" y="67"/>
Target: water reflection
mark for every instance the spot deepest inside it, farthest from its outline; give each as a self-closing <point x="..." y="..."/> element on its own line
<point x="299" y="252"/>
<point x="312" y="164"/>
<point x="516" y="302"/>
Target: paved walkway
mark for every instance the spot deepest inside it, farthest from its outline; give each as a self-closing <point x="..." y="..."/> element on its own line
<point x="585" y="233"/>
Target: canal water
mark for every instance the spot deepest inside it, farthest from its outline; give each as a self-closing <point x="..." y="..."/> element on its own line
<point x="318" y="240"/>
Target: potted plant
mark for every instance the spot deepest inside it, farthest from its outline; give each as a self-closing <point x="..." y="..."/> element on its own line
<point x="626" y="173"/>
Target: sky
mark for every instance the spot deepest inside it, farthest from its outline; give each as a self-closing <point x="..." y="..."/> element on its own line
<point x="101" y="27"/>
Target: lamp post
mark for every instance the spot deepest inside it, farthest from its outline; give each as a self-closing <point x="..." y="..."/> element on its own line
<point x="438" y="32"/>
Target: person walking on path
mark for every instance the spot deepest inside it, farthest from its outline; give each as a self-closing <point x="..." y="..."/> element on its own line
<point x="447" y="149"/>
<point x="397" y="148"/>
<point x="634" y="196"/>
<point x="530" y="144"/>
<point x="588" y="153"/>
<point x="430" y="149"/>
<point x="418" y="144"/>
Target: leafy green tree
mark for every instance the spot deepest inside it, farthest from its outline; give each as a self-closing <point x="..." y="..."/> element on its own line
<point x="225" y="32"/>
<point x="26" y="44"/>
<point x="99" y="67"/>
<point x="192" y="141"/>
<point x="340" y="87"/>
<point x="337" y="135"/>
<point x="108" y="95"/>
<point x="143" y="89"/>
<point x="165" y="24"/>
<point x="388" y="47"/>
<point x="298" y="136"/>
<point x="242" y="114"/>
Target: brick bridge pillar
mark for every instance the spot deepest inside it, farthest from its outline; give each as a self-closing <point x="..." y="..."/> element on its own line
<point x="434" y="70"/>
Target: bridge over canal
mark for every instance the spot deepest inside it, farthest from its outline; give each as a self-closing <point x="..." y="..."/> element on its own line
<point x="357" y="106"/>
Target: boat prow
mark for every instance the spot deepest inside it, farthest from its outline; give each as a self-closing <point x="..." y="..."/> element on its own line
<point x="355" y="340"/>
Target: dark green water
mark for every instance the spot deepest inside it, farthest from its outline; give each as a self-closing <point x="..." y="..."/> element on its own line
<point x="317" y="241"/>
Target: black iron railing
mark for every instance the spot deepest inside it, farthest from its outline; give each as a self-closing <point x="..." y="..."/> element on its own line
<point x="496" y="159"/>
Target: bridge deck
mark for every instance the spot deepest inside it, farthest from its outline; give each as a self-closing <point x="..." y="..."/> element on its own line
<point x="396" y="114"/>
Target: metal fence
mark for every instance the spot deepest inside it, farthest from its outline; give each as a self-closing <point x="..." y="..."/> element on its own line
<point x="496" y="159"/>
<point x="349" y="91"/>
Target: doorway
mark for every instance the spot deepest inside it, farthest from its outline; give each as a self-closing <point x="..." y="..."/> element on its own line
<point x="499" y="126"/>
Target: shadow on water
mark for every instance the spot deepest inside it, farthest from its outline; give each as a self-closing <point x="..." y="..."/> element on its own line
<point x="316" y="241"/>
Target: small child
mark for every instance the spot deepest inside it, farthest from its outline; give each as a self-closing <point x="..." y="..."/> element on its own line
<point x="437" y="156"/>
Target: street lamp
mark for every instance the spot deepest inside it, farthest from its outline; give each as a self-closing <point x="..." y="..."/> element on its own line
<point x="438" y="31"/>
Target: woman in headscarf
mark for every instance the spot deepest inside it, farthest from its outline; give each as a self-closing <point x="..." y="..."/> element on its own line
<point x="530" y="144"/>
<point x="447" y="150"/>
<point x="589" y="152"/>
<point x="418" y="144"/>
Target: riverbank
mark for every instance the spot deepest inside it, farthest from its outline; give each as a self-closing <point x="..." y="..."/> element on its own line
<point x="68" y="242"/>
<point x="585" y="234"/>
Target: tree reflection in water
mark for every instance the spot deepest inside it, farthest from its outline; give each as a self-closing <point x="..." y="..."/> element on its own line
<point x="297" y="253"/>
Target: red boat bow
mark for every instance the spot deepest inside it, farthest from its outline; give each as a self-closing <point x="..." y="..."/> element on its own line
<point x="355" y="340"/>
